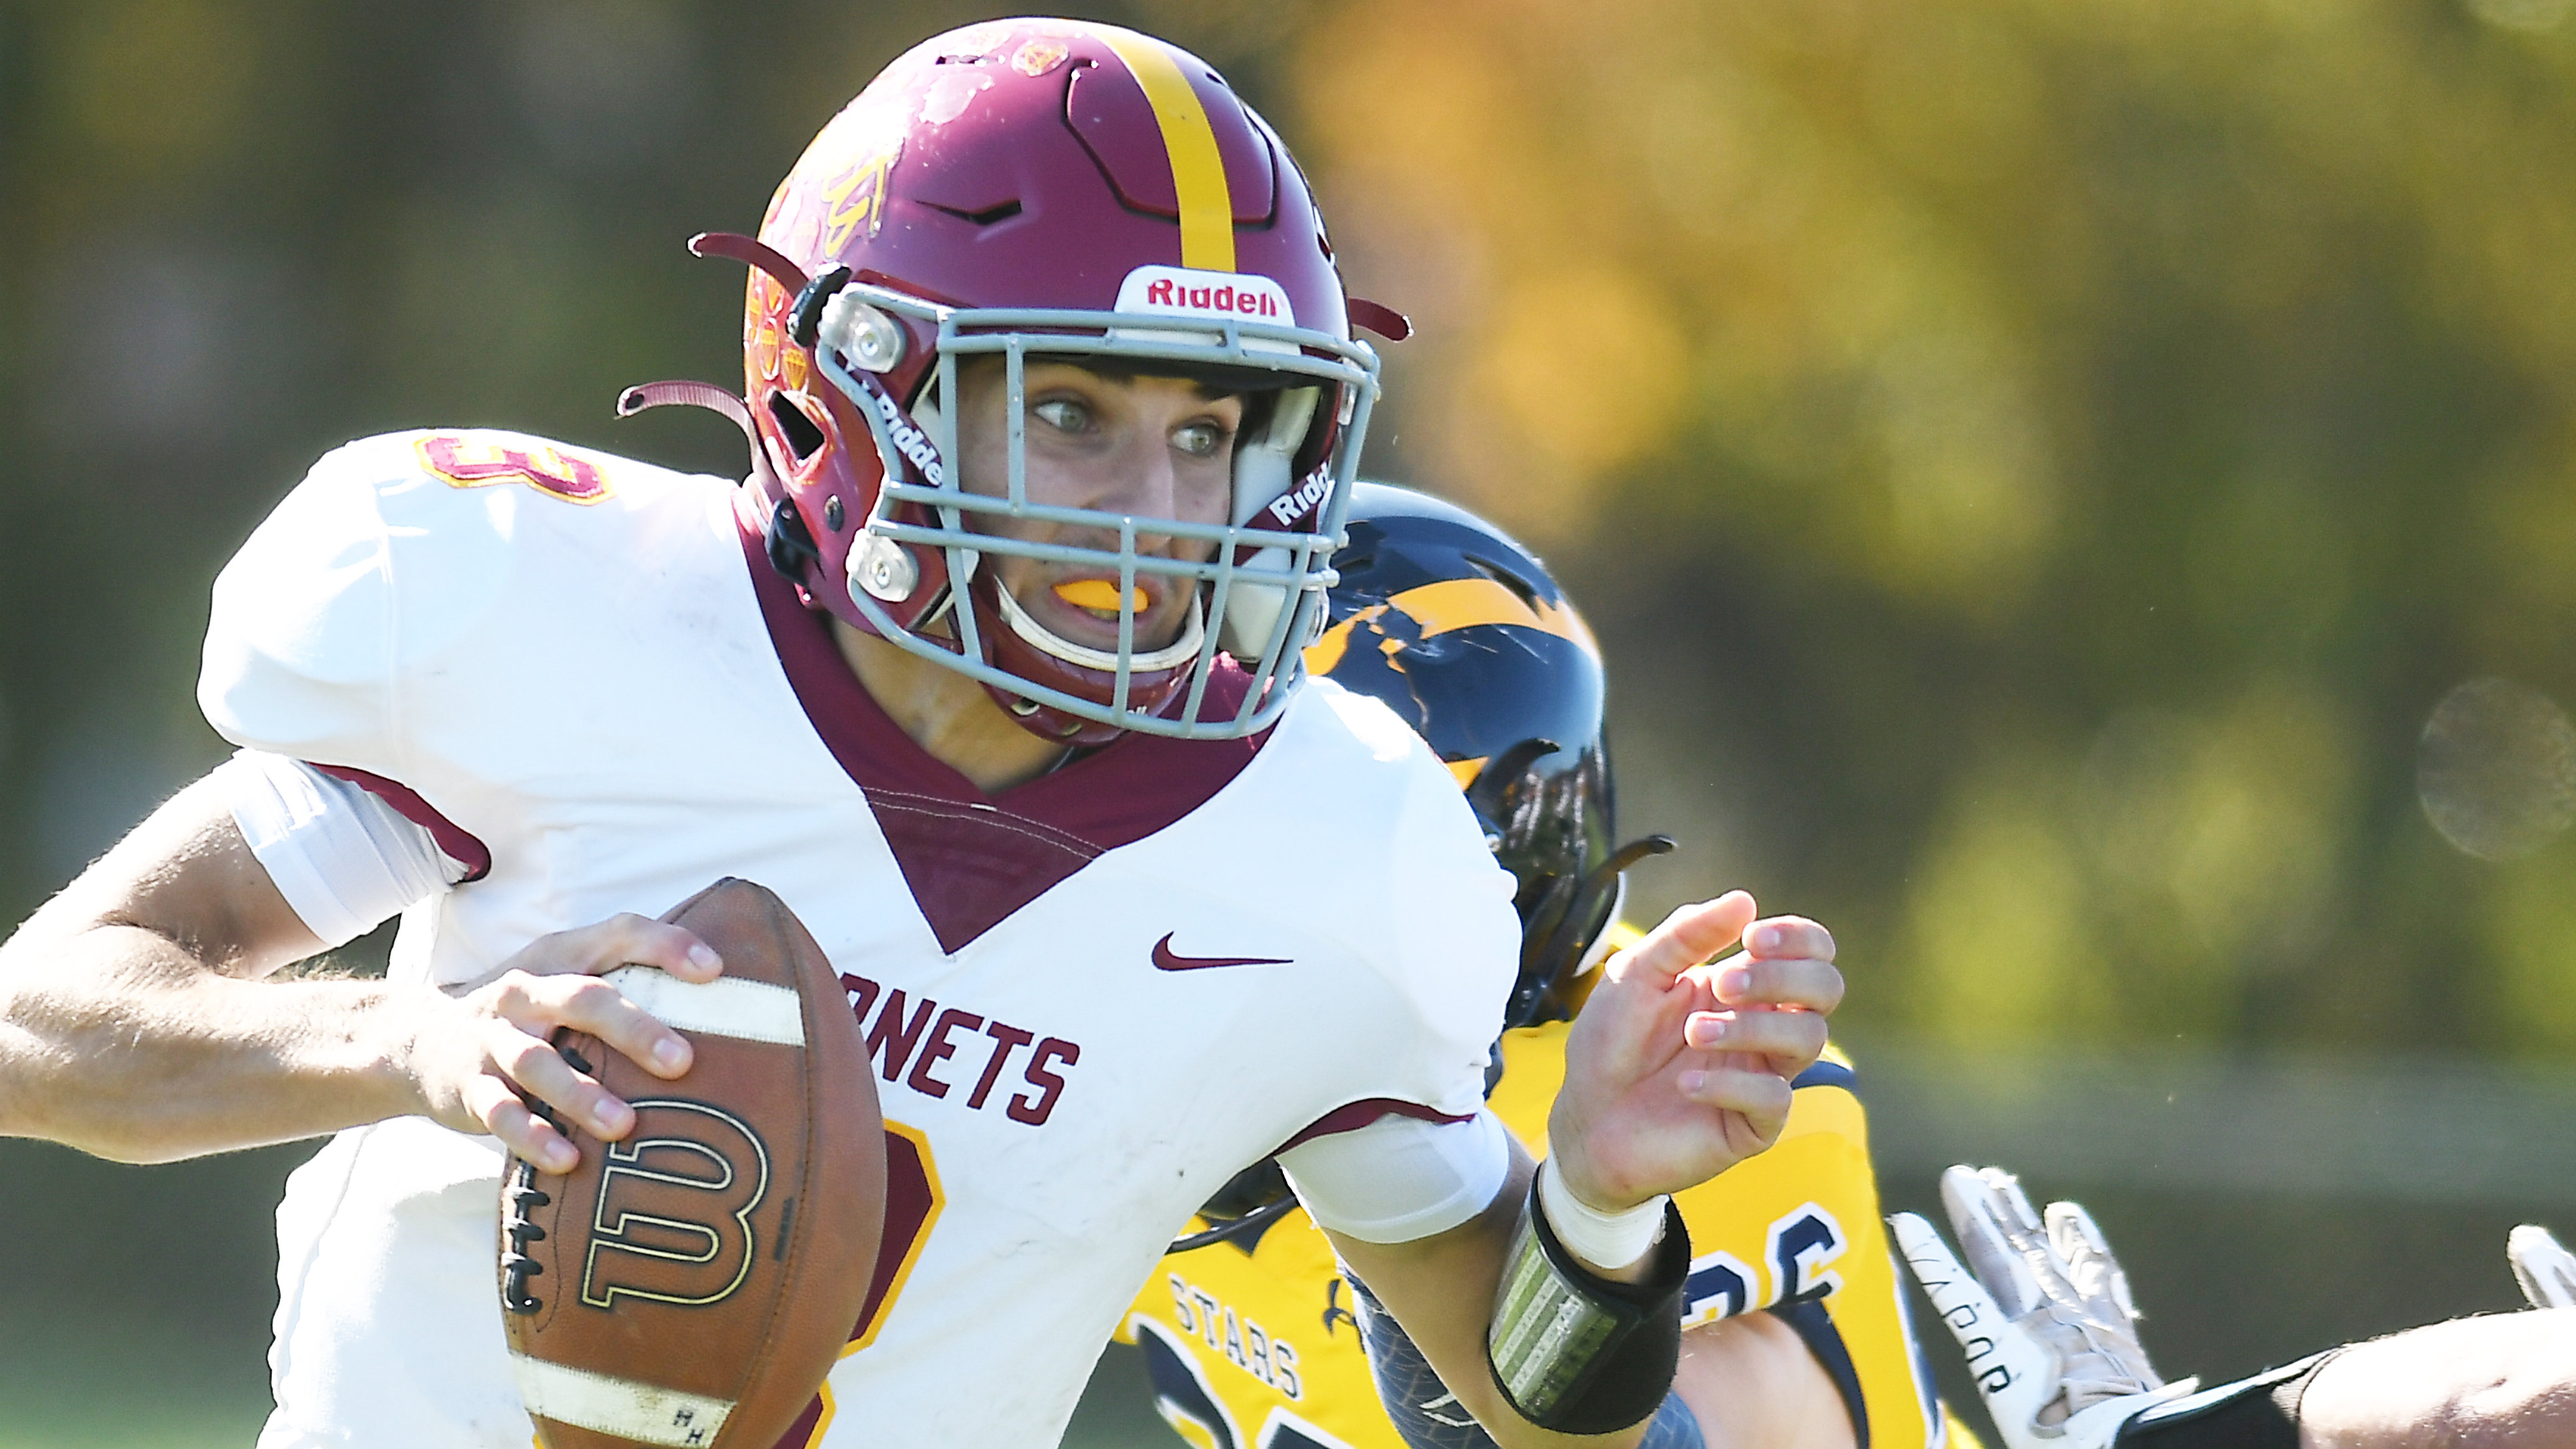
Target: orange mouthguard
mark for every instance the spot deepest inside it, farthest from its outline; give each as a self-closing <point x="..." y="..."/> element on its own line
<point x="1097" y="594"/>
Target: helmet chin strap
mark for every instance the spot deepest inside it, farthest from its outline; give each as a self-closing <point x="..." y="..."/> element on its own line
<point x="1038" y="636"/>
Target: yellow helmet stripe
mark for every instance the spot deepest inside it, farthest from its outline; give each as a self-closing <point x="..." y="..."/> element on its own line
<point x="1461" y="603"/>
<point x="1325" y="654"/>
<point x="1198" y="171"/>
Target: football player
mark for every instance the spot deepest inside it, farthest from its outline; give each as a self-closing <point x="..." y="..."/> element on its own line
<point x="1796" y="1331"/>
<point x="991" y="671"/>
<point x="2044" y="1315"/>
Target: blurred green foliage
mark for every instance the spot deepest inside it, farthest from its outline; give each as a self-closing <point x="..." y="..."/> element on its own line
<point x="2036" y="465"/>
<point x="2039" y="465"/>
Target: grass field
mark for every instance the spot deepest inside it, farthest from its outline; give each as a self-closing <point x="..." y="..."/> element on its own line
<point x="83" y="1382"/>
<point x="88" y="1383"/>
<point x="95" y="1384"/>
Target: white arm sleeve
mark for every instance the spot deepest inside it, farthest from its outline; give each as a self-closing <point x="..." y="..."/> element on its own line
<point x="1401" y="1178"/>
<point x="342" y="858"/>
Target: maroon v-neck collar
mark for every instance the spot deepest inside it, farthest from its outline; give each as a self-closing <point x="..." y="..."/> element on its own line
<point x="971" y="858"/>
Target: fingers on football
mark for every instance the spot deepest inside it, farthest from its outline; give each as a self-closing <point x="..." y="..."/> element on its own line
<point x="489" y="1100"/>
<point x="621" y="940"/>
<point x="538" y="1004"/>
<point x="542" y="1072"/>
<point x="1691" y="935"/>
<point x="525" y="1011"/>
<point x="2546" y="1271"/>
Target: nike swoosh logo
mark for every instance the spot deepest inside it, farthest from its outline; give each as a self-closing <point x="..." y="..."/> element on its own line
<point x="1165" y="959"/>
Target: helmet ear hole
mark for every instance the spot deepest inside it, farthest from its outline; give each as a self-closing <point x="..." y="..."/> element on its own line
<point x="799" y="430"/>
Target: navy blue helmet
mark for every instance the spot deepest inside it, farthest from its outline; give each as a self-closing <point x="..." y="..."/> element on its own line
<point x="1463" y="633"/>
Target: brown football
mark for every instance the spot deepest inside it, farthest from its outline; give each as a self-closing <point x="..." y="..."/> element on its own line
<point x="692" y="1284"/>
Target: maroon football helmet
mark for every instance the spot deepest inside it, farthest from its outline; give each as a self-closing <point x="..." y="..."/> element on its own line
<point x="1067" y="191"/>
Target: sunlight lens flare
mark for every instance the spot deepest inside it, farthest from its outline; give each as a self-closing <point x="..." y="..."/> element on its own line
<point x="2496" y="769"/>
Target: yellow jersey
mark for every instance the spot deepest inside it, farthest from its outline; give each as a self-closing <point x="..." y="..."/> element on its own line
<point x="1252" y="1345"/>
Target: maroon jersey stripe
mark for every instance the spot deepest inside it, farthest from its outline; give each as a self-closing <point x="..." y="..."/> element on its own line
<point x="454" y="840"/>
<point x="972" y="858"/>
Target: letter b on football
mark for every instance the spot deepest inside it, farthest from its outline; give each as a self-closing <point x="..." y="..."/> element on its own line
<point x="673" y="1224"/>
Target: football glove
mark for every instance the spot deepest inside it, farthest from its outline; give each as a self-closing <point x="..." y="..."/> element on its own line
<point x="2045" y="1317"/>
<point x="2546" y="1271"/>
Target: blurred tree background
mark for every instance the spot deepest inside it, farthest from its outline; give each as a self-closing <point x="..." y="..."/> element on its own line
<point x="2078" y="494"/>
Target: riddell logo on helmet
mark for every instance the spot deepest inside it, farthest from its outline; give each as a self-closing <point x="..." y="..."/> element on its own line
<point x="1186" y="292"/>
<point x="1297" y="502"/>
<point x="911" y="442"/>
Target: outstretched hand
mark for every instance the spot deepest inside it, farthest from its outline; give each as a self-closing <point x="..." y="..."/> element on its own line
<point x="2546" y="1271"/>
<point x="478" y="1061"/>
<point x="2042" y="1311"/>
<point x="1680" y="1064"/>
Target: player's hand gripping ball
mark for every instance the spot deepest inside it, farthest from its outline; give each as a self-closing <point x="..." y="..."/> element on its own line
<point x="691" y="1284"/>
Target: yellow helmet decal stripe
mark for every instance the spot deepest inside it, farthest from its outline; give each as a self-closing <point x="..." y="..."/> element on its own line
<point x="1462" y="603"/>
<point x="1325" y="654"/>
<point x="1198" y="171"/>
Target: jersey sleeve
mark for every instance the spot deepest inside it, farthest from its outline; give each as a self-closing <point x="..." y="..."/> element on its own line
<point x="346" y="622"/>
<point x="1441" y="931"/>
<point x="299" y="644"/>
<point x="349" y="634"/>
<point x="1400" y="1178"/>
<point x="344" y="859"/>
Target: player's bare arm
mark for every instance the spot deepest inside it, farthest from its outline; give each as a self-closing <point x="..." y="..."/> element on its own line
<point x="2507" y="1381"/>
<point x="1678" y="1067"/>
<point x="142" y="1017"/>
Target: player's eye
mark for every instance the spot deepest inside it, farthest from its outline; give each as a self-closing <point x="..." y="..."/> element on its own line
<point x="1063" y="414"/>
<point x="1204" y="439"/>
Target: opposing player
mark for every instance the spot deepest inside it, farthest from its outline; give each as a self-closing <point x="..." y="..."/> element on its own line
<point x="991" y="672"/>
<point x="1796" y="1332"/>
<point x="2046" y="1320"/>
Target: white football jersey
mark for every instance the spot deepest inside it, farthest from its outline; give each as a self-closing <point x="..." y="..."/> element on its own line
<point x="1091" y="999"/>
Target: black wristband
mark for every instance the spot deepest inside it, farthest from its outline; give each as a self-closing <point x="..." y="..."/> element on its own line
<point x="1579" y="1353"/>
<point x="2261" y="1412"/>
